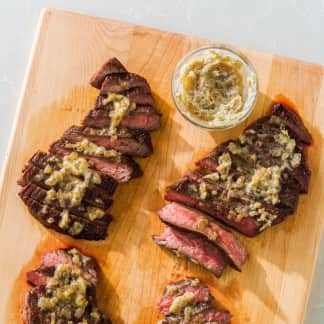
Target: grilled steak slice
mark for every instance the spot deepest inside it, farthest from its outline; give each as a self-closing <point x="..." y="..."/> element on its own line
<point x="113" y="66"/>
<point x="121" y="169"/>
<point x="65" y="290"/>
<point x="144" y="118"/>
<point x="42" y="159"/>
<point x="83" y="210"/>
<point x="191" y="220"/>
<point x="199" y="292"/>
<point x="68" y="224"/>
<point x="94" y="196"/>
<point x="186" y="192"/>
<point x="129" y="142"/>
<point x="194" y="247"/>
<point x="116" y="83"/>
<point x="189" y="301"/>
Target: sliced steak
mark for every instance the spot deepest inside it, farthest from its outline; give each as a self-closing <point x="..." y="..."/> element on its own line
<point x="144" y="118"/>
<point x="191" y="220"/>
<point x="94" y="196"/>
<point x="116" y="83"/>
<point x="189" y="301"/>
<point x="41" y="159"/>
<point x="121" y="169"/>
<point x="194" y="247"/>
<point x="65" y="290"/>
<point x="82" y="210"/>
<point x="70" y="224"/>
<point x="184" y="192"/>
<point x="129" y="142"/>
<point x="112" y="66"/>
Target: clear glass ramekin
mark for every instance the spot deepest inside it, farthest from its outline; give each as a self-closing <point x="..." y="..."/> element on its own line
<point x="249" y="70"/>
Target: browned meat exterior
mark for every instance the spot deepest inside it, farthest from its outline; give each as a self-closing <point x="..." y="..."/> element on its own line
<point x="129" y="142"/>
<point x="112" y="66"/>
<point x="65" y="223"/>
<point x="193" y="247"/>
<point x="144" y="118"/>
<point x="252" y="182"/>
<point x="69" y="190"/>
<point x="116" y="83"/>
<point x="65" y="291"/>
<point x="192" y="220"/>
<point x="40" y="160"/>
<point x="121" y="168"/>
<point x="189" y="301"/>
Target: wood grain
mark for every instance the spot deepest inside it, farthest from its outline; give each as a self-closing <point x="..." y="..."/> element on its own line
<point x="275" y="283"/>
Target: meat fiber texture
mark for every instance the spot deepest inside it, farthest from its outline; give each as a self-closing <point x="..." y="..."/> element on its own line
<point x="109" y="155"/>
<point x="190" y="301"/>
<point x="274" y="142"/>
<point x="43" y="288"/>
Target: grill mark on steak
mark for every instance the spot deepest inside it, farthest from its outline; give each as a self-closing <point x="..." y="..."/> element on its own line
<point x="41" y="159"/>
<point x="191" y="220"/>
<point x="144" y="118"/>
<point x="94" y="196"/>
<point x="117" y="83"/>
<point x="121" y="169"/>
<point x="112" y="66"/>
<point x="193" y="247"/>
<point x="42" y="212"/>
<point x="190" y="301"/>
<point x="39" y="194"/>
<point x="77" y="267"/>
<point x="133" y="143"/>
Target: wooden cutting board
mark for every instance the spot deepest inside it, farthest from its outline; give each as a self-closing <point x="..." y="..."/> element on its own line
<point x="275" y="283"/>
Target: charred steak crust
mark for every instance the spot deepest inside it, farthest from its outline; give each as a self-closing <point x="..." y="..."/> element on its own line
<point x="69" y="189"/>
<point x="191" y="220"/>
<point x="194" y="247"/>
<point x="190" y="301"/>
<point x="252" y="182"/>
<point x="64" y="290"/>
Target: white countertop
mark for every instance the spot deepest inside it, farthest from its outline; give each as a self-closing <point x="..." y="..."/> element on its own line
<point x="292" y="28"/>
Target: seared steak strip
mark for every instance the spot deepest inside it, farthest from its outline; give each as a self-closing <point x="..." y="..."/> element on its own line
<point x="120" y="168"/>
<point x="129" y="142"/>
<point x="94" y="196"/>
<point x="194" y="247"/>
<point x="191" y="220"/>
<point x="252" y="182"/>
<point x="189" y="301"/>
<point x="144" y="118"/>
<point x="65" y="291"/>
<point x="65" y="222"/>
<point x="112" y="66"/>
<point x="95" y="214"/>
<point x="116" y="83"/>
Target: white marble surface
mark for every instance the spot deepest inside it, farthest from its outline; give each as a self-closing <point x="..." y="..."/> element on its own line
<point x="293" y="28"/>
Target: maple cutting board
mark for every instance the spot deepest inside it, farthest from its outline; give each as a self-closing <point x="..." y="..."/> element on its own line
<point x="275" y="283"/>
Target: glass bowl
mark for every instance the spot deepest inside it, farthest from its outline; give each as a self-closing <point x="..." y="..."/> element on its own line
<point x="249" y="78"/>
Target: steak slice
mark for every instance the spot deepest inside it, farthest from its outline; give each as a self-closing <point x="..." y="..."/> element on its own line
<point x="73" y="225"/>
<point x="189" y="301"/>
<point x="121" y="169"/>
<point x="129" y="142"/>
<point x="112" y="66"/>
<point x="82" y="210"/>
<point x="199" y="291"/>
<point x="65" y="290"/>
<point x="41" y="160"/>
<point x="116" y="83"/>
<point x="144" y="118"/>
<point x="191" y="220"/>
<point x="194" y="247"/>
<point x="94" y="196"/>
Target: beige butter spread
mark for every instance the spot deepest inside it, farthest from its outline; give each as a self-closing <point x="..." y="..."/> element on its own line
<point x="213" y="87"/>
